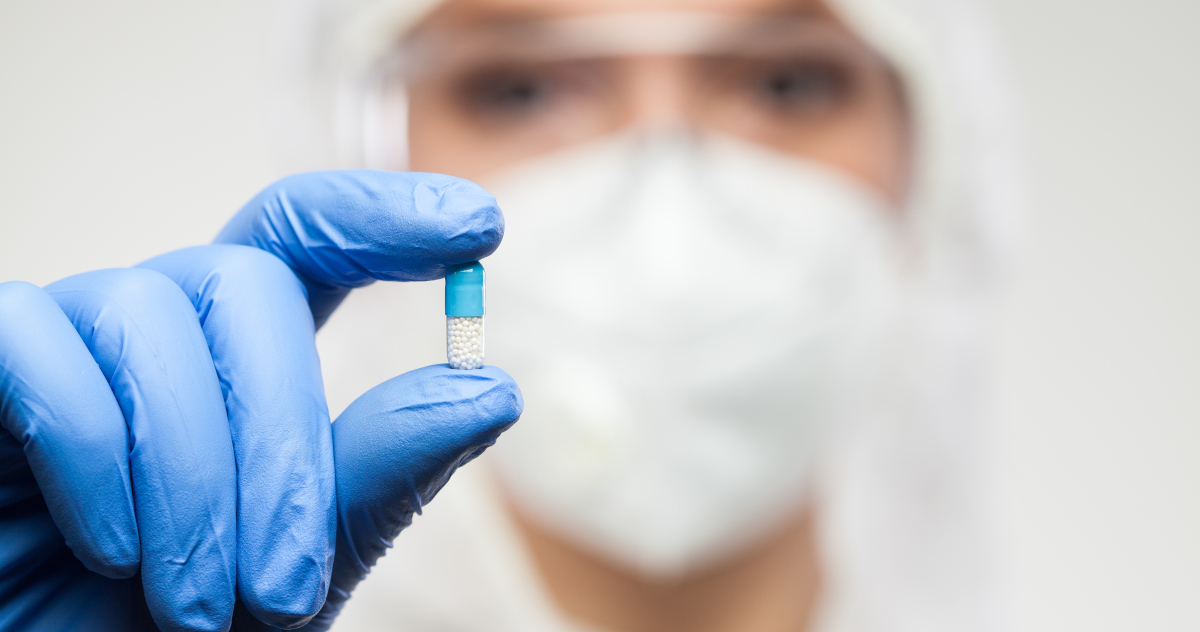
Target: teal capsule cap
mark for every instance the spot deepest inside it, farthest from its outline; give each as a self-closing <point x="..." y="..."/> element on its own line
<point x="466" y="293"/>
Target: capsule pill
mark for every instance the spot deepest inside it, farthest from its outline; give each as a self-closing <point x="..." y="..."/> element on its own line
<point x="465" y="300"/>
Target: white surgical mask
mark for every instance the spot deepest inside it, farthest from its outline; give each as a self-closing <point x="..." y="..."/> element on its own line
<point x="686" y="315"/>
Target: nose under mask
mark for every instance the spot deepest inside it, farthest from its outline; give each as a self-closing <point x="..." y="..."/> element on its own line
<point x="687" y="316"/>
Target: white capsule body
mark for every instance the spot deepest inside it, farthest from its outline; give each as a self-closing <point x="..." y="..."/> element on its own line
<point x="464" y="341"/>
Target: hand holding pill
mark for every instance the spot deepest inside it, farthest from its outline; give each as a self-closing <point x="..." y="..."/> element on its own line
<point x="165" y="427"/>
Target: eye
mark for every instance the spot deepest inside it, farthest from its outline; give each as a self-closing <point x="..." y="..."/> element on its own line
<point x="504" y="91"/>
<point x="527" y="91"/>
<point x="805" y="86"/>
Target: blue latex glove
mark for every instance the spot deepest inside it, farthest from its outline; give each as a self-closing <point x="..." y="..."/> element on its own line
<point x="166" y="458"/>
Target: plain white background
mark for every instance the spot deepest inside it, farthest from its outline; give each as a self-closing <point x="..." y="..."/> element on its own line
<point x="132" y="127"/>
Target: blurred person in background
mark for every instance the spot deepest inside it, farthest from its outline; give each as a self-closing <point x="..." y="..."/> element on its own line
<point x="750" y="248"/>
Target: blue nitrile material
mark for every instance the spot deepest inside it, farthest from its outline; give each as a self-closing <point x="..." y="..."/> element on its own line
<point x="466" y="293"/>
<point x="166" y="457"/>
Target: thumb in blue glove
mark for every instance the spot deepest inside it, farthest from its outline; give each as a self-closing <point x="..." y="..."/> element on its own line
<point x="395" y="447"/>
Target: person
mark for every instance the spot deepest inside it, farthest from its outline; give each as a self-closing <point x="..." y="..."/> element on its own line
<point x="750" y="247"/>
<point x="748" y="250"/>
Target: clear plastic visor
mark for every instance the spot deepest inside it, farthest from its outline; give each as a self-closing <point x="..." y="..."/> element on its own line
<point x="441" y="51"/>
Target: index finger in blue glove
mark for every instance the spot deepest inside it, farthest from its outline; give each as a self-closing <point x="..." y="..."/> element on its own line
<point x="344" y="229"/>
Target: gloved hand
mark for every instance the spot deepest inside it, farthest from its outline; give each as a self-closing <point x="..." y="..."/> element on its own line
<point x="166" y="456"/>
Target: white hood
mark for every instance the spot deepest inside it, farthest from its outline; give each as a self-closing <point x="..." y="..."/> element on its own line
<point x="908" y="504"/>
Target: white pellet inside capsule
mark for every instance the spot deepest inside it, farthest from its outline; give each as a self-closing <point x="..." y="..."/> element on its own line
<point x="464" y="341"/>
